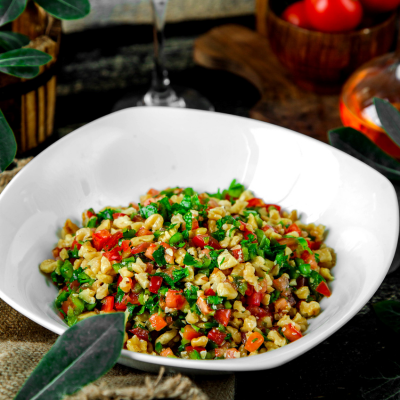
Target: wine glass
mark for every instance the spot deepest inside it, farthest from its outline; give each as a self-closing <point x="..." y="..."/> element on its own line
<point x="161" y="93"/>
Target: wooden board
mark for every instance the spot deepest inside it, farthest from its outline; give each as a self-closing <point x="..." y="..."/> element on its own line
<point x="246" y="53"/>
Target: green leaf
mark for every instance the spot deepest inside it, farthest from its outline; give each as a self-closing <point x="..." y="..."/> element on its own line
<point x="359" y="146"/>
<point x="12" y="40"/>
<point x="24" y="58"/>
<point x="8" y="145"/>
<point x="66" y="9"/>
<point x="21" y="72"/>
<point x="388" y="312"/>
<point x="81" y="355"/>
<point x="389" y="117"/>
<point x="159" y="256"/>
<point x="10" y="10"/>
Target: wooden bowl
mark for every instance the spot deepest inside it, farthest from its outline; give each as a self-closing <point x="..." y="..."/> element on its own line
<point x="319" y="61"/>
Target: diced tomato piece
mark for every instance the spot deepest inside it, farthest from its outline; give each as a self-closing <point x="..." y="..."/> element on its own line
<point x="259" y="312"/>
<point x="174" y="299"/>
<point x="223" y="316"/>
<point x="150" y="250"/>
<point x="140" y="333"/>
<point x="309" y="259"/>
<point x="195" y="224"/>
<point x="132" y="298"/>
<point x="250" y="290"/>
<point x="149" y="201"/>
<point x="153" y="192"/>
<point x="189" y="333"/>
<point x="281" y="305"/>
<point x="90" y="214"/>
<point x="108" y="304"/>
<point x="74" y="285"/>
<point x="294" y="228"/>
<point x="126" y="246"/>
<point x="267" y="206"/>
<point x="203" y="306"/>
<point x="119" y="280"/>
<point x="114" y="254"/>
<point x="168" y="258"/>
<point x="238" y="254"/>
<point x="217" y="336"/>
<point x="199" y="349"/>
<point x="67" y="304"/>
<point x="323" y="289"/>
<point x="212" y="204"/>
<point x="117" y="215"/>
<point x="255" y="299"/>
<point x="281" y="283"/>
<point x="247" y="232"/>
<point x="220" y="352"/>
<point x="149" y="268"/>
<point x="209" y="292"/>
<point x="140" y="248"/>
<point x="291" y="333"/>
<point x="266" y="227"/>
<point x="166" y="352"/>
<point x="113" y="240"/>
<point x="232" y="353"/>
<point x="255" y="202"/>
<point x="138" y="218"/>
<point x="254" y="341"/>
<point x="206" y="240"/>
<point x="157" y="322"/>
<point x="100" y="239"/>
<point x="75" y="244"/>
<point x="155" y="284"/>
<point x="313" y="245"/>
<point x="134" y="205"/>
<point x="143" y="232"/>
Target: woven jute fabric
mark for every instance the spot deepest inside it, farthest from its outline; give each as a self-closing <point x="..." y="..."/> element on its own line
<point x="6" y="176"/>
<point x="23" y="343"/>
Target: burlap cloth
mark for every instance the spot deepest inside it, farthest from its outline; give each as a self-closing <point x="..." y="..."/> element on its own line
<point x="23" y="343"/>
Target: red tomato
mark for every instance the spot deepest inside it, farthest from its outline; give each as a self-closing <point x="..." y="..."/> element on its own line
<point x="140" y="249"/>
<point x="108" y="304"/>
<point x="117" y="215"/>
<point x="223" y="316"/>
<point x="195" y="224"/>
<point x="90" y="214"/>
<point x="323" y="289"/>
<point x="216" y="336"/>
<point x="167" y="352"/>
<point x="250" y="290"/>
<point x="157" y="322"/>
<point x="174" y="299"/>
<point x="291" y="333"/>
<point x="309" y="259"/>
<point x="231" y="353"/>
<point x="100" y="239"/>
<point x="113" y="240"/>
<point x="155" y="284"/>
<point x="67" y="304"/>
<point x="189" y="333"/>
<point x="149" y="201"/>
<point x="380" y="5"/>
<point x="150" y="250"/>
<point x="281" y="305"/>
<point x="294" y="228"/>
<point x="143" y="232"/>
<point x="133" y="299"/>
<point x="296" y="14"/>
<point x="73" y="285"/>
<point x="189" y="349"/>
<point x="126" y="245"/>
<point x="334" y="16"/>
<point x="313" y="245"/>
<point x="114" y="254"/>
<point x="255" y="202"/>
<point x="281" y="283"/>
<point x="259" y="312"/>
<point x="206" y="240"/>
<point x="267" y="206"/>
<point x="153" y="192"/>
<point x="203" y="306"/>
<point x="255" y="299"/>
<point x="140" y="333"/>
<point x="75" y="243"/>
<point x="209" y="292"/>
<point x="168" y="258"/>
<point x="238" y="254"/>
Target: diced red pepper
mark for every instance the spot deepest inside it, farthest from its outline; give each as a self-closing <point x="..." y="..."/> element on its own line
<point x="174" y="299"/>
<point x="238" y="254"/>
<point x="254" y="341"/>
<point x="250" y="290"/>
<point x="143" y="232"/>
<point x="291" y="333"/>
<point x="108" y="304"/>
<point x="206" y="240"/>
<point x="157" y="322"/>
<point x="216" y="336"/>
<point x="323" y="289"/>
<point x="113" y="240"/>
<point x="255" y="202"/>
<point x="294" y="228"/>
<point x="255" y="299"/>
<point x="75" y="244"/>
<point x="90" y="214"/>
<point x="155" y="284"/>
<point x="140" y="333"/>
<point x="126" y="246"/>
<point x="223" y="316"/>
<point x="209" y="292"/>
<point x="114" y="254"/>
<point x="140" y="248"/>
<point x="117" y="215"/>
<point x="100" y="239"/>
<point x="189" y="333"/>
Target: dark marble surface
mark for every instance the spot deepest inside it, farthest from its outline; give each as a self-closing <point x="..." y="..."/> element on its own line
<point x="99" y="67"/>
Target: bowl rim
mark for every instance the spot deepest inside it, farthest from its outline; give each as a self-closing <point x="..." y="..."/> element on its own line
<point x="339" y="35"/>
<point x="276" y="358"/>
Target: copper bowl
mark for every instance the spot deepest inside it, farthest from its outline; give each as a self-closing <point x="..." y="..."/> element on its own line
<point x="319" y="61"/>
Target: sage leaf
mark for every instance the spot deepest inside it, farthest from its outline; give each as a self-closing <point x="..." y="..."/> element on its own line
<point x="66" y="9"/>
<point x="388" y="312"/>
<point x="24" y="58"/>
<point x="84" y="353"/>
<point x="359" y="146"/>
<point x="12" y="40"/>
<point x="10" y="10"/>
<point x="8" y="145"/>
<point x="390" y="119"/>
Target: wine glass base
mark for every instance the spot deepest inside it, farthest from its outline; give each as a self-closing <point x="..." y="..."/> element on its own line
<point x="185" y="98"/>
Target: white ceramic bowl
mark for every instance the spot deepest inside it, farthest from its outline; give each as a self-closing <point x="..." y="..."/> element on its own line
<point x="115" y="159"/>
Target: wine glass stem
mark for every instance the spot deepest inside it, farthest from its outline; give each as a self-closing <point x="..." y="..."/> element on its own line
<point x="160" y="81"/>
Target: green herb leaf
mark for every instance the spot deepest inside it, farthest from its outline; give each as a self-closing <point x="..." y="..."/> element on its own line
<point x="235" y="189"/>
<point x="149" y="210"/>
<point x="159" y="256"/>
<point x="191" y="295"/>
<point x="179" y="274"/>
<point x="274" y="296"/>
<point x="176" y="239"/>
<point x="77" y="358"/>
<point x="214" y="300"/>
<point x="105" y="214"/>
<point x="120" y="295"/>
<point x="389" y="117"/>
<point x="359" y="146"/>
<point x="388" y="312"/>
<point x="158" y="347"/>
<point x="8" y="145"/>
<point x="190" y="260"/>
<point x="66" y="9"/>
<point x="12" y="40"/>
<point x="10" y="10"/>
